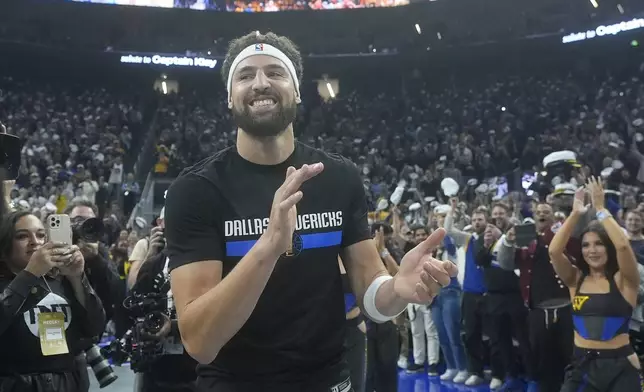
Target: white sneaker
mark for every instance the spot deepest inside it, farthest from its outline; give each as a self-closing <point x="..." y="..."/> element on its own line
<point x="461" y="377"/>
<point x="496" y="383"/>
<point x="474" y="380"/>
<point x="449" y="375"/>
<point x="402" y="363"/>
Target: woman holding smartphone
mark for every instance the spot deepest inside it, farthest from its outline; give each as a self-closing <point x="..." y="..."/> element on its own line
<point x="603" y="287"/>
<point x="46" y="307"/>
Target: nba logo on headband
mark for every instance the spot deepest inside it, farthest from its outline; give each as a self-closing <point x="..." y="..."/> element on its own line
<point x="259" y="47"/>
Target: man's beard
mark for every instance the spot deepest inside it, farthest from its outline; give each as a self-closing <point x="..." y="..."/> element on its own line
<point x="270" y="124"/>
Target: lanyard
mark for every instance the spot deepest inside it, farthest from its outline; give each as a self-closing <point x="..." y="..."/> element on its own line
<point x="45" y="279"/>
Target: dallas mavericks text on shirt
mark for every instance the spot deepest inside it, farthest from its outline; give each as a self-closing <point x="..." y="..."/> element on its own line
<point x="257" y="226"/>
<point x="320" y="227"/>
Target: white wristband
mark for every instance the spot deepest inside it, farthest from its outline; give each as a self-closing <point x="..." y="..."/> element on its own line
<point x="369" y="300"/>
<point x="601" y="215"/>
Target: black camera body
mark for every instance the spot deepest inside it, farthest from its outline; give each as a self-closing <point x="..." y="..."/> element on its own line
<point x="149" y="312"/>
<point x="89" y="230"/>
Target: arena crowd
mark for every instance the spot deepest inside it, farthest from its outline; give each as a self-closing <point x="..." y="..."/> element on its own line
<point x="490" y="138"/>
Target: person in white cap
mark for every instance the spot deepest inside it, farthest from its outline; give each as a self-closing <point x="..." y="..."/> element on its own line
<point x="255" y="279"/>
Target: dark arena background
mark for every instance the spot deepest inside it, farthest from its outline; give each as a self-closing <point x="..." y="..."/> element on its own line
<point x="124" y="94"/>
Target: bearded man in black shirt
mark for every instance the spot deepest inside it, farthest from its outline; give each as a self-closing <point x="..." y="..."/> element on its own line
<point x="255" y="280"/>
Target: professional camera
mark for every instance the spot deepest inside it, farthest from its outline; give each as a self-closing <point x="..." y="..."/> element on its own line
<point x="87" y="229"/>
<point x="149" y="311"/>
<point x="102" y="370"/>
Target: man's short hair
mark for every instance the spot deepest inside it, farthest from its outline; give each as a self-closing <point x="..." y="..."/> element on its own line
<point x="502" y="205"/>
<point x="543" y="202"/>
<point x="80" y="203"/>
<point x="415" y="228"/>
<point x="278" y="41"/>
<point x="481" y="210"/>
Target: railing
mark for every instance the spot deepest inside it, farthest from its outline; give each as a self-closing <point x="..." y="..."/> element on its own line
<point x="145" y="207"/>
<point x="146" y="157"/>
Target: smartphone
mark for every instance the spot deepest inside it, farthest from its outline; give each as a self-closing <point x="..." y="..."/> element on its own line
<point x="525" y="234"/>
<point x="59" y="227"/>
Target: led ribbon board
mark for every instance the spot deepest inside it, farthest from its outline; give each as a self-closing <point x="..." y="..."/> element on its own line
<point x="169" y="61"/>
<point x="601" y="31"/>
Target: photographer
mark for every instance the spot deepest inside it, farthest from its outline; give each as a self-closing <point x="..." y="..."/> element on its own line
<point x="145" y="249"/>
<point x="100" y="271"/>
<point x="170" y="368"/>
<point x="102" y="275"/>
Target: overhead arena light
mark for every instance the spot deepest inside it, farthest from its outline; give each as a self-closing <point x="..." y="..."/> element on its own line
<point x="417" y="28"/>
<point x="329" y="88"/>
<point x="594" y="3"/>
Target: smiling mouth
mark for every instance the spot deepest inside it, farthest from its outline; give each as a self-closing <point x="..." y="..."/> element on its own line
<point x="263" y="103"/>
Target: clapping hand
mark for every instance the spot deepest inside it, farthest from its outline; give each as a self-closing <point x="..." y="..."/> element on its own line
<point x="421" y="276"/>
<point x="284" y="212"/>
<point x="379" y="239"/>
<point x="596" y="191"/>
<point x="579" y="205"/>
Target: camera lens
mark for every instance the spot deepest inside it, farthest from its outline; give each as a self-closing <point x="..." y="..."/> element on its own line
<point x="57" y="222"/>
<point x="53" y="224"/>
<point x="154" y="322"/>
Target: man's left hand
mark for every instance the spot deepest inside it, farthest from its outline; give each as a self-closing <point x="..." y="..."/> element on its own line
<point x="421" y="276"/>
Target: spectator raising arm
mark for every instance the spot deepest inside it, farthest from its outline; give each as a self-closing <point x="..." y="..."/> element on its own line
<point x="460" y="237"/>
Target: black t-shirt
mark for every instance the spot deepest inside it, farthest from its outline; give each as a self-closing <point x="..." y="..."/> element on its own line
<point x="546" y="289"/>
<point x="217" y="209"/>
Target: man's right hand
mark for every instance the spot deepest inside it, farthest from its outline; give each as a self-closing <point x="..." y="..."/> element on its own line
<point x="283" y="219"/>
<point x="157" y="241"/>
<point x="511" y="236"/>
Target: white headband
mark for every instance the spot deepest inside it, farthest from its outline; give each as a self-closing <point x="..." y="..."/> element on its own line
<point x="267" y="50"/>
